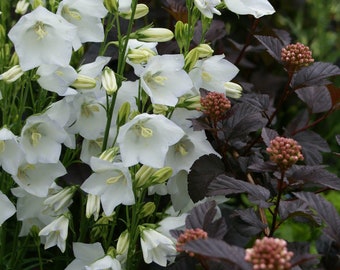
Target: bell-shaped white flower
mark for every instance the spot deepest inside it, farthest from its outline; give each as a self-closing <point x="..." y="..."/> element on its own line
<point x="146" y="139"/>
<point x="37" y="178"/>
<point x="57" y="79"/>
<point x="91" y="257"/>
<point x="56" y="233"/>
<point x="10" y="151"/>
<point x="86" y="15"/>
<point x="256" y="8"/>
<point x="178" y="190"/>
<point x="208" y="7"/>
<point x="41" y="139"/>
<point x="189" y="148"/>
<point x="39" y="33"/>
<point x="156" y="247"/>
<point x="7" y="208"/>
<point x="212" y="73"/>
<point x="164" y="79"/>
<point x="111" y="182"/>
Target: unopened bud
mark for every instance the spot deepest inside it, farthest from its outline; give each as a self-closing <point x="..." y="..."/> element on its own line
<point x="123" y="114"/>
<point x="84" y="82"/>
<point x="233" y="90"/>
<point x="181" y="34"/>
<point x="60" y="200"/>
<point x="201" y="51"/>
<point x="37" y="3"/>
<point x="159" y="109"/>
<point x="140" y="55"/>
<point x="147" y="209"/>
<point x="111" y="5"/>
<point x="141" y="11"/>
<point x="109" y="154"/>
<point x="14" y="59"/>
<point x="123" y="242"/>
<point x="154" y="35"/>
<point x="161" y="175"/>
<point x="143" y="175"/>
<point x="12" y="74"/>
<point x="21" y="7"/>
<point x="189" y="102"/>
<point x="204" y="50"/>
<point x="109" y="82"/>
<point x="92" y="206"/>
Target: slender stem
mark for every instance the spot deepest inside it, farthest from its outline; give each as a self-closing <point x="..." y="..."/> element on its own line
<point x="277" y="204"/>
<point x="248" y="40"/>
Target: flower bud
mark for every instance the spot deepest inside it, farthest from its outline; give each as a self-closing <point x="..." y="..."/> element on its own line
<point x="190" y="102"/>
<point x="140" y="55"/>
<point x="143" y="175"/>
<point x="12" y="74"/>
<point x="161" y="175"/>
<point x="147" y="209"/>
<point x="159" y="109"/>
<point x="92" y="206"/>
<point x="21" y="7"/>
<point x="61" y="199"/>
<point x="111" y="5"/>
<point x="37" y="3"/>
<point x="84" y="82"/>
<point x="154" y="35"/>
<point x="109" y="81"/>
<point x="233" y="90"/>
<point x="101" y="227"/>
<point x="181" y="34"/>
<point x="141" y="11"/>
<point x="123" y="114"/>
<point x="123" y="242"/>
<point x="204" y="50"/>
<point x="201" y="51"/>
<point x="14" y="59"/>
<point x="109" y="154"/>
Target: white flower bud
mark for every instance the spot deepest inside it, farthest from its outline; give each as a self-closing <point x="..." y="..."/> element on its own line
<point x="233" y="90"/>
<point x="155" y="35"/>
<point x="21" y="7"/>
<point x="12" y="74"/>
<point x="109" y="82"/>
<point x="92" y="206"/>
<point x="84" y="82"/>
<point x="141" y="11"/>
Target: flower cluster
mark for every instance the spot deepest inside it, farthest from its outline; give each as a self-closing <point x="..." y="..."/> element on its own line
<point x="269" y="254"/>
<point x="284" y="152"/>
<point x="296" y="55"/>
<point x="215" y="105"/>
<point x="189" y="235"/>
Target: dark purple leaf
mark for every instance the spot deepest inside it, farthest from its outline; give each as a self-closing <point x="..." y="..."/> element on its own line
<point x="302" y="255"/>
<point x="202" y="172"/>
<point x="312" y="144"/>
<point x="315" y="74"/>
<point x="326" y="211"/>
<point x="199" y="123"/>
<point x="314" y="174"/>
<point x="219" y="250"/>
<point x="268" y="134"/>
<point x="261" y="166"/>
<point x="225" y="185"/>
<point x="203" y="216"/>
<point x="245" y="119"/>
<point x="260" y="102"/>
<point x="273" y="45"/>
<point x="283" y="35"/>
<point x="295" y="208"/>
<point x="247" y="222"/>
<point x="317" y="98"/>
<point x="300" y="121"/>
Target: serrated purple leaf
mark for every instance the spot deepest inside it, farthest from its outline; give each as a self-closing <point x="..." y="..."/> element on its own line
<point x="283" y="35"/>
<point x="317" y="98"/>
<point x="202" y="172"/>
<point x="260" y="102"/>
<point x="312" y="145"/>
<point x="326" y="211"/>
<point x="299" y="121"/>
<point x="273" y="45"/>
<point x="219" y="250"/>
<point x="315" y="74"/>
<point x="225" y="185"/>
<point x="252" y="224"/>
<point x="261" y="166"/>
<point x="268" y="134"/>
<point x="203" y="216"/>
<point x="314" y="174"/>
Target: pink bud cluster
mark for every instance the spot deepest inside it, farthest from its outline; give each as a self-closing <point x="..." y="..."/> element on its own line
<point x="215" y="105"/>
<point x="269" y="254"/>
<point x="284" y="152"/>
<point x="189" y="235"/>
<point x="296" y="55"/>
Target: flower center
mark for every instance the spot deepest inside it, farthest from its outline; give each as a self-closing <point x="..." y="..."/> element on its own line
<point x="70" y="12"/>
<point x="34" y="135"/>
<point x="22" y="172"/>
<point x="115" y="179"/>
<point x="39" y="29"/>
<point x="88" y="109"/>
<point x="2" y="146"/>
<point x="155" y="79"/>
<point x="142" y="130"/>
<point x="206" y="76"/>
<point x="180" y="148"/>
